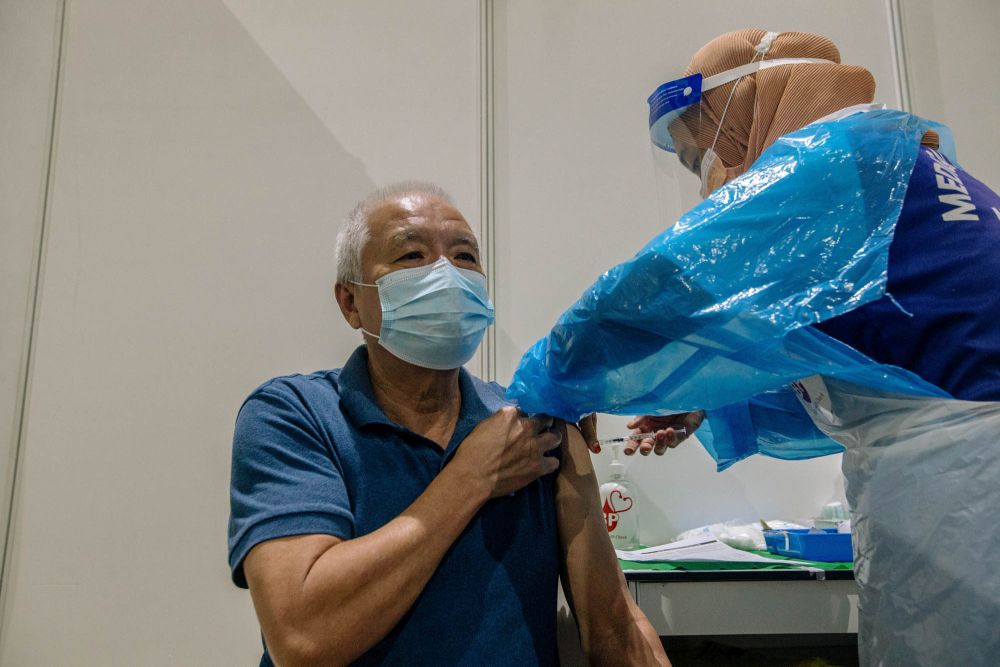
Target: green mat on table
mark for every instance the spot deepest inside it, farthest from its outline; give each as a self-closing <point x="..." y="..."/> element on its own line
<point x="720" y="565"/>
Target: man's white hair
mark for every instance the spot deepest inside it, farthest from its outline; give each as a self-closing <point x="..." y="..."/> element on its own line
<point x="354" y="234"/>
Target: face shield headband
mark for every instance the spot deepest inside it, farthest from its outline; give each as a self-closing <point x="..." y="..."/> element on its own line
<point x="676" y="119"/>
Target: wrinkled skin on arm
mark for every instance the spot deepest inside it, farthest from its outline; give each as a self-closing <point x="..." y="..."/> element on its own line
<point x="613" y="631"/>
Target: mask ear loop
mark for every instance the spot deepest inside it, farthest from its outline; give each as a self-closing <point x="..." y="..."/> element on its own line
<point x="375" y="336"/>
<point x="725" y="110"/>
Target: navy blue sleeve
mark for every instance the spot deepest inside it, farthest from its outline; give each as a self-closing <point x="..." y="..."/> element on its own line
<point x="285" y="478"/>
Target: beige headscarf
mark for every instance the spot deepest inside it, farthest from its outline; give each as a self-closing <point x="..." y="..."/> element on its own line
<point x="774" y="101"/>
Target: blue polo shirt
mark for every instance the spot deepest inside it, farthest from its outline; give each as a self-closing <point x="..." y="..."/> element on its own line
<point x="315" y="454"/>
<point x="940" y="317"/>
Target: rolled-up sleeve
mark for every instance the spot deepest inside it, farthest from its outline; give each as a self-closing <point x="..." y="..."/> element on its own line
<point x="285" y="477"/>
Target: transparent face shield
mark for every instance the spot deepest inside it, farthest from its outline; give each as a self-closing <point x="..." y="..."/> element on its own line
<point x="675" y="122"/>
<point x="683" y="131"/>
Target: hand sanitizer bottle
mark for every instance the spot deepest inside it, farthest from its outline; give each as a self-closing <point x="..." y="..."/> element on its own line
<point x="618" y="504"/>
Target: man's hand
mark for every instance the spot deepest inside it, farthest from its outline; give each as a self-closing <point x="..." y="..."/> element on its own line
<point x="507" y="451"/>
<point x="664" y="434"/>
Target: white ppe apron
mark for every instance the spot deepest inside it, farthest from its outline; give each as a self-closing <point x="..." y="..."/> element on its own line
<point x="923" y="482"/>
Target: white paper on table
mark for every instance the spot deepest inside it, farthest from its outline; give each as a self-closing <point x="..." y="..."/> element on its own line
<point x="695" y="549"/>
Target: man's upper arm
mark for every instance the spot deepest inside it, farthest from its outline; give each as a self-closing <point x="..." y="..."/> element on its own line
<point x="578" y="504"/>
<point x="276" y="572"/>
<point x="285" y="479"/>
<point x="590" y="566"/>
<point x="612" y="628"/>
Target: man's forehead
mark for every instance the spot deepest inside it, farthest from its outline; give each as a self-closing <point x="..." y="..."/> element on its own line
<point x="416" y="217"/>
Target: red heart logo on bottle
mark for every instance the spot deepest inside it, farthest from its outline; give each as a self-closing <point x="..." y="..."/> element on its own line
<point x="623" y="503"/>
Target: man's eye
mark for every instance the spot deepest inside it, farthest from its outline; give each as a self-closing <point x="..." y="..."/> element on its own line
<point x="466" y="257"/>
<point x="416" y="254"/>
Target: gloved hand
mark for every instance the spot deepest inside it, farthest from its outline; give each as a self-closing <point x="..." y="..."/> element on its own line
<point x="664" y="435"/>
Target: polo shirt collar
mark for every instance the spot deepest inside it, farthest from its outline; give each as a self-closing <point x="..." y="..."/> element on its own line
<point x="479" y="400"/>
<point x="357" y="394"/>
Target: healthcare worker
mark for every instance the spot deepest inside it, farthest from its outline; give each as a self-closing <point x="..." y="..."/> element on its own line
<point x="842" y="242"/>
<point x="939" y="318"/>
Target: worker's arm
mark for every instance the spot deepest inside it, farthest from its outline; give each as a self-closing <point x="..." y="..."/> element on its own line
<point x="325" y="601"/>
<point x="613" y="630"/>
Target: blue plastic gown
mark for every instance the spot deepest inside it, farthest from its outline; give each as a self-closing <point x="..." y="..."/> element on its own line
<point x="713" y="313"/>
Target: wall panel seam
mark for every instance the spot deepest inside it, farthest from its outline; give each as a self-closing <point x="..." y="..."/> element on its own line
<point x="899" y="60"/>
<point x="487" y="165"/>
<point x="34" y="291"/>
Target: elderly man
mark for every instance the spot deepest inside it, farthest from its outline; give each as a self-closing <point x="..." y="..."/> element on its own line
<point x="397" y="510"/>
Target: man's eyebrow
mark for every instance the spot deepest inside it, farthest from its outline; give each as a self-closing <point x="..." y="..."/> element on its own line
<point x="466" y="240"/>
<point x="402" y="238"/>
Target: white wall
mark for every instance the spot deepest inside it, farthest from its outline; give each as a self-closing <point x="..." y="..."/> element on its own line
<point x="204" y="154"/>
<point x="952" y="53"/>
<point x="29" y="41"/>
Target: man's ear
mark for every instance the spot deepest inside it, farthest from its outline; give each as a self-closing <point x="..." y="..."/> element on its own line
<point x="345" y="299"/>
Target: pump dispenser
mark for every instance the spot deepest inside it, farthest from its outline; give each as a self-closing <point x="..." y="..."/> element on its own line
<point x="618" y="505"/>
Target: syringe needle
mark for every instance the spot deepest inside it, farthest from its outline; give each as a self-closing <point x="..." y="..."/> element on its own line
<point x="679" y="430"/>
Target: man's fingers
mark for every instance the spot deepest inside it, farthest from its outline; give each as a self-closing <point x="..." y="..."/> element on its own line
<point x="549" y="440"/>
<point x="541" y="423"/>
<point x="549" y="465"/>
<point x="635" y="422"/>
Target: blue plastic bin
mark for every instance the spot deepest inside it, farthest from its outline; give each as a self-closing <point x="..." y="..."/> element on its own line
<point x="826" y="546"/>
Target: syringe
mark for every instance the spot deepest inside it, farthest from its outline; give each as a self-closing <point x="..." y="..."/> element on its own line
<point x="679" y="430"/>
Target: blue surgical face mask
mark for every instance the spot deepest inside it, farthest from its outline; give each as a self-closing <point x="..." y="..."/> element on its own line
<point x="433" y="316"/>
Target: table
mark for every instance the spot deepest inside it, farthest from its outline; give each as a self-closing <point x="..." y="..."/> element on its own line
<point x="747" y="602"/>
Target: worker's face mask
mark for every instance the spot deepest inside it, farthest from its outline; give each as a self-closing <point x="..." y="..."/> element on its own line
<point x="681" y="123"/>
<point x="433" y="316"/>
